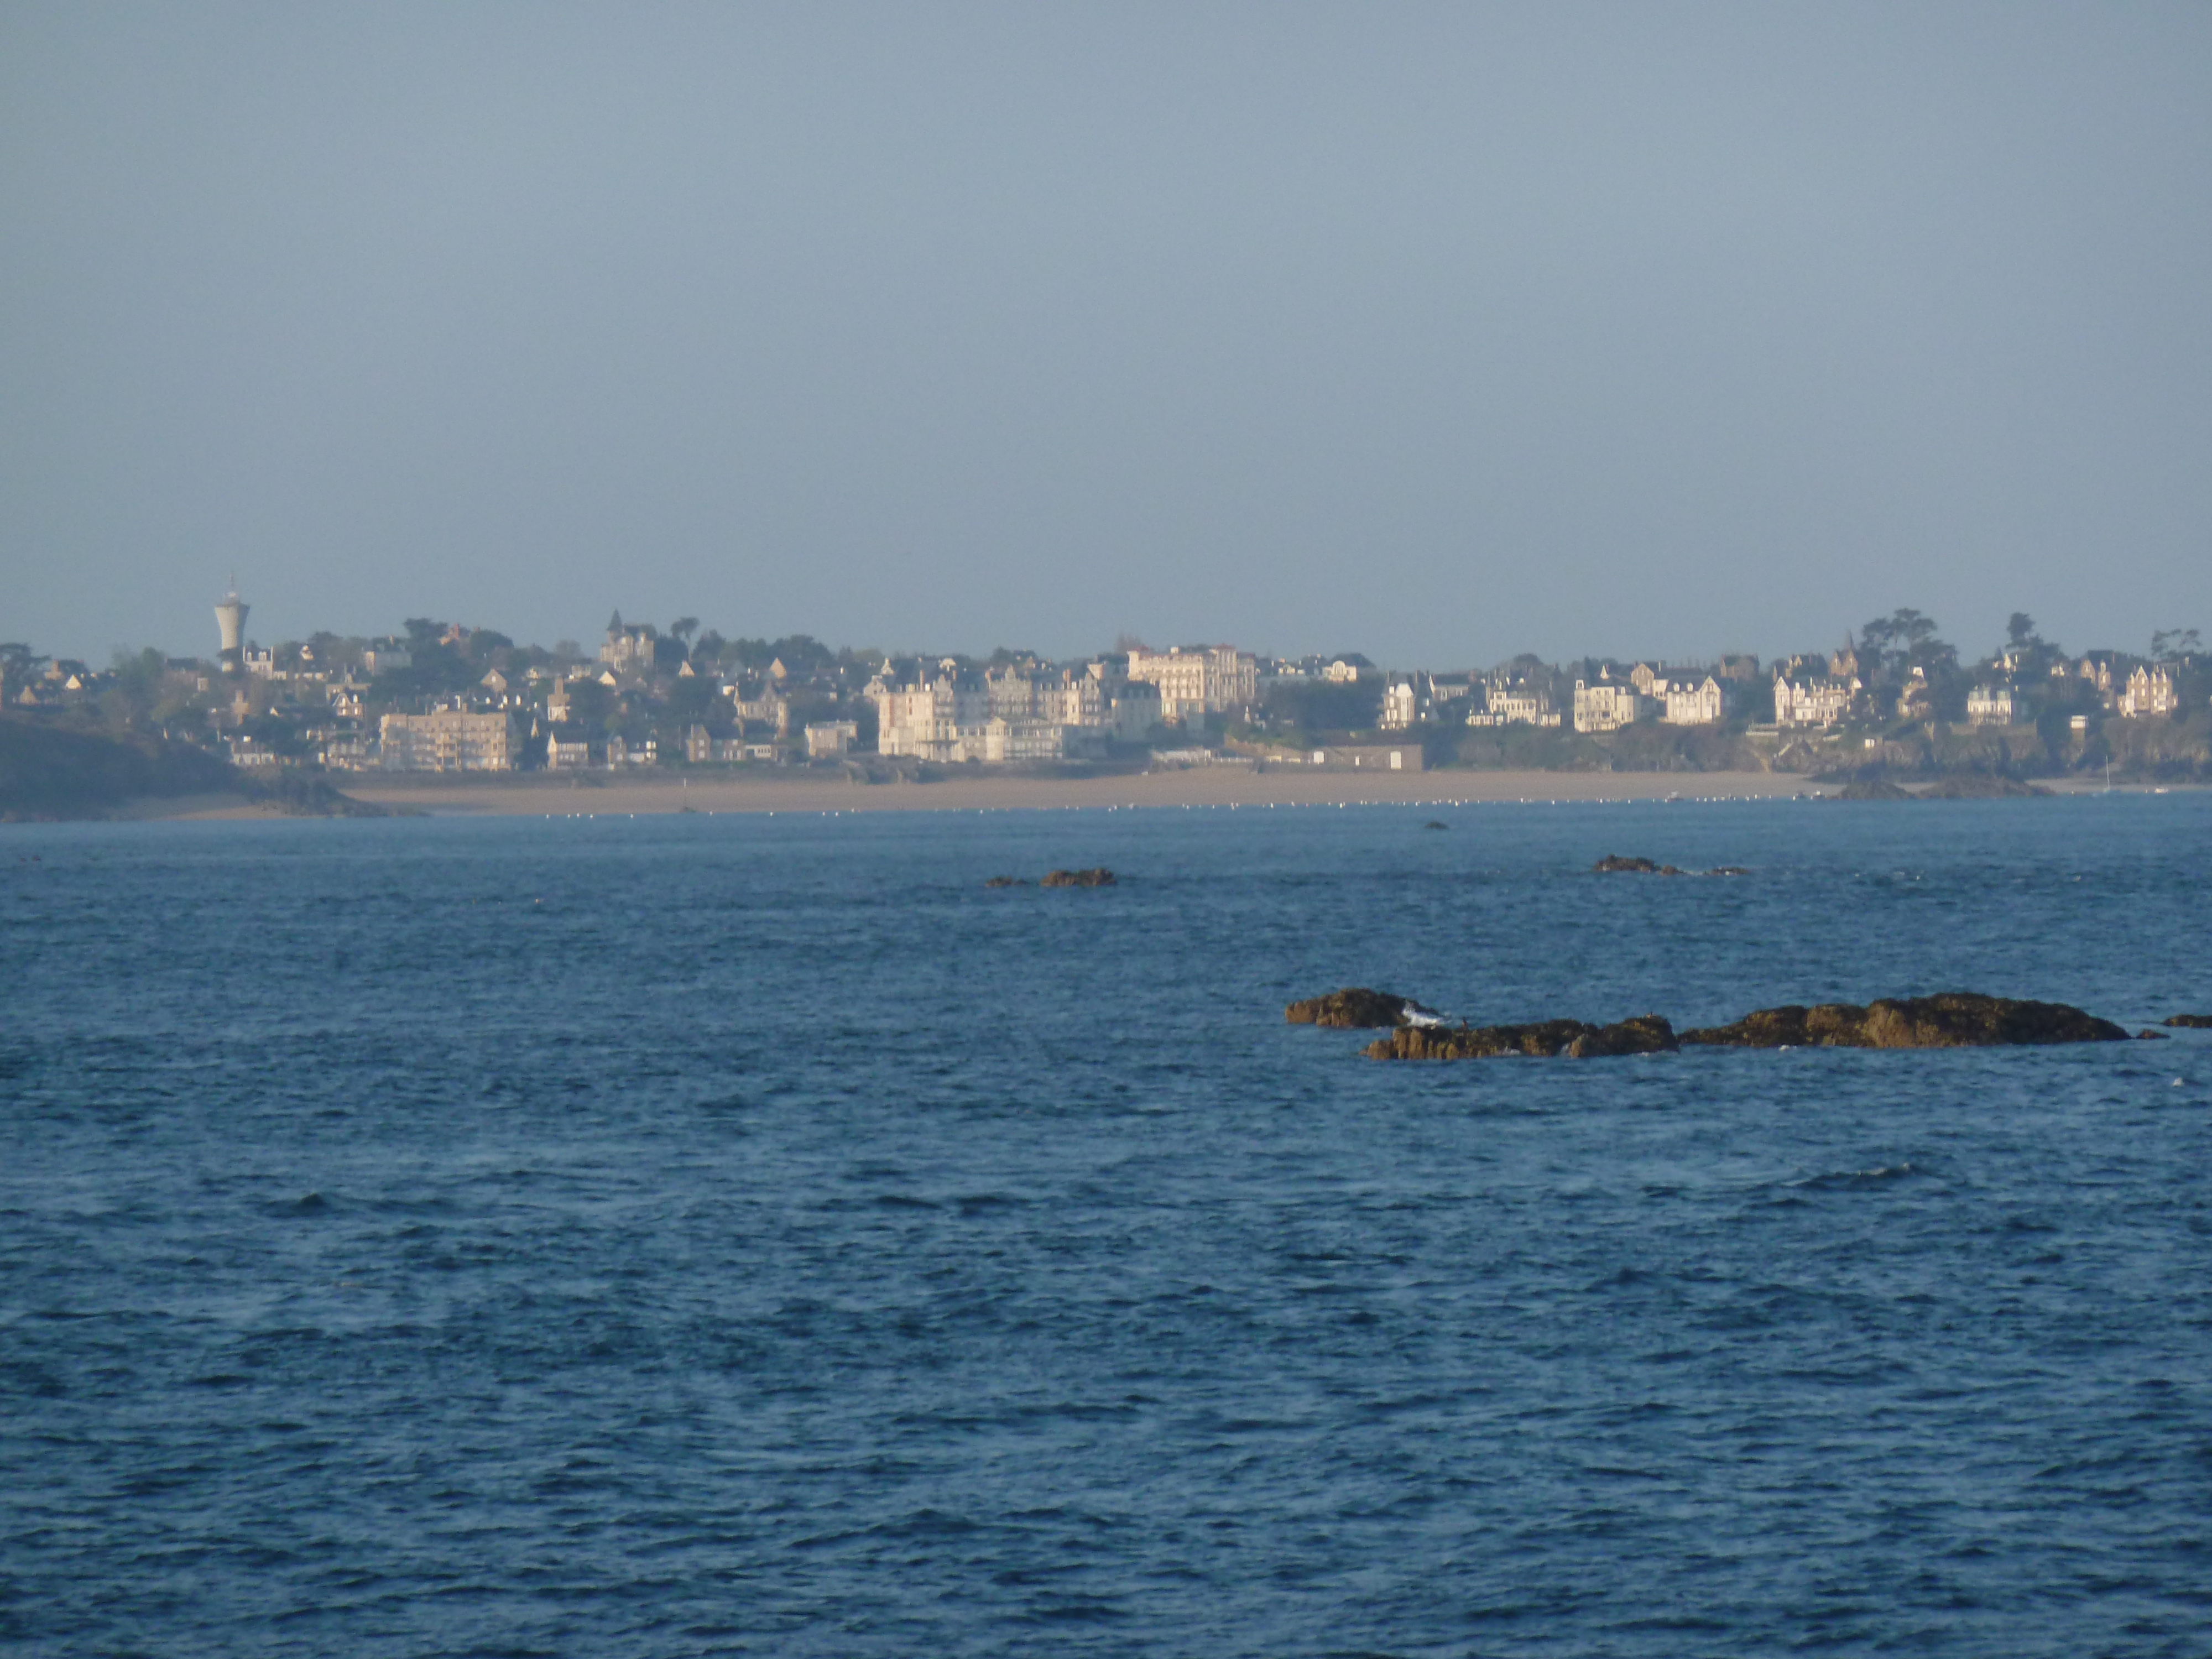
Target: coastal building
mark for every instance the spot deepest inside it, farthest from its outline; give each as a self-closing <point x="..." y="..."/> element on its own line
<point x="450" y="740"/>
<point x="348" y="750"/>
<point x="1989" y="705"/>
<point x="385" y="656"/>
<point x="2096" y="668"/>
<point x="566" y="754"/>
<point x="1400" y="705"/>
<point x="1820" y="702"/>
<point x="1351" y="757"/>
<point x="1203" y="680"/>
<point x="627" y="650"/>
<point x="1136" y="711"/>
<point x="1607" y="705"/>
<point x="2149" y="694"/>
<point x="1688" y="697"/>
<point x="761" y="702"/>
<point x="702" y="748"/>
<point x="1916" y="700"/>
<point x="230" y="625"/>
<point x="826" y="739"/>
<point x="246" y="751"/>
<point x="1515" y="704"/>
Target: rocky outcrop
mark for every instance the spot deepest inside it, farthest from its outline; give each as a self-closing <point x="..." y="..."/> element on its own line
<point x="1099" y="878"/>
<point x="1980" y="785"/>
<point x="2191" y="1022"/>
<point x="1872" y="789"/>
<point x="1950" y="1020"/>
<point x="1356" y="1007"/>
<point x="1005" y="881"/>
<point x="1612" y="863"/>
<point x="1647" y="1034"/>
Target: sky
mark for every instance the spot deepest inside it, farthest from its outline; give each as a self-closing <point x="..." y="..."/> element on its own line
<point x="1435" y="333"/>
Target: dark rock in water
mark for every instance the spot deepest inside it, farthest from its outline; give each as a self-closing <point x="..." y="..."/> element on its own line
<point x="1100" y="878"/>
<point x="2152" y="1037"/>
<point x="1355" y="1007"/>
<point x="1005" y="881"/>
<point x="1644" y="1033"/>
<point x="1980" y="785"/>
<point x="1613" y="862"/>
<point x="1873" y="789"/>
<point x="1435" y="824"/>
<point x="1950" y="1020"/>
<point x="1647" y="1034"/>
<point x="2191" y="1022"/>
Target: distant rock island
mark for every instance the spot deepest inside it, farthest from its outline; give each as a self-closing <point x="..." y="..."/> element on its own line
<point x="1098" y="878"/>
<point x="1950" y="1019"/>
<point x="1614" y="864"/>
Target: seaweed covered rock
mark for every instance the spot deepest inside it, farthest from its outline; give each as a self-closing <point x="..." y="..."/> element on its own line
<point x="1950" y="1019"/>
<point x="1099" y="878"/>
<point x="1612" y="863"/>
<point x="2191" y="1022"/>
<point x="1873" y="789"/>
<point x="1647" y="1034"/>
<point x="1005" y="881"/>
<point x="1356" y="1007"/>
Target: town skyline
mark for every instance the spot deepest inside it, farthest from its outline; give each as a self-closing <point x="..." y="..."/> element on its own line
<point x="442" y="696"/>
<point x="1971" y="647"/>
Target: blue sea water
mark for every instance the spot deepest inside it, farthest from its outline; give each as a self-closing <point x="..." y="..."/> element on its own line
<point x="749" y="1234"/>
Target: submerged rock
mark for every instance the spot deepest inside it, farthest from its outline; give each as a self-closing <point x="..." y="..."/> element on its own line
<point x="1950" y="1019"/>
<point x="1099" y="878"/>
<point x="1647" y="1034"/>
<point x="2152" y="1037"/>
<point x="1005" y="881"/>
<point x="1356" y="1007"/>
<point x="2191" y="1022"/>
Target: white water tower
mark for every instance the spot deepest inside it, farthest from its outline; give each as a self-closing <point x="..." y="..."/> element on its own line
<point x="230" y="617"/>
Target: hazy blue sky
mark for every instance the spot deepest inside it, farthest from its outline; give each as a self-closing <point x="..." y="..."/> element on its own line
<point x="1439" y="332"/>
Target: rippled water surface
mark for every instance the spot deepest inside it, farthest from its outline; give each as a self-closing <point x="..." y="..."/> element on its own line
<point x="715" y="1234"/>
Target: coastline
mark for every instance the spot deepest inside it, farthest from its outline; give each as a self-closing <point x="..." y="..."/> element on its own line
<point x="548" y="797"/>
<point x="537" y="795"/>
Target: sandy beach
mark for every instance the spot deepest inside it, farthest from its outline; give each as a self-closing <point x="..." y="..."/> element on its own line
<point x="539" y="796"/>
<point x="561" y="797"/>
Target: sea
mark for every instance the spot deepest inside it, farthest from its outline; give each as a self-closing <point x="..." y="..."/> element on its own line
<point x="721" y="1234"/>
